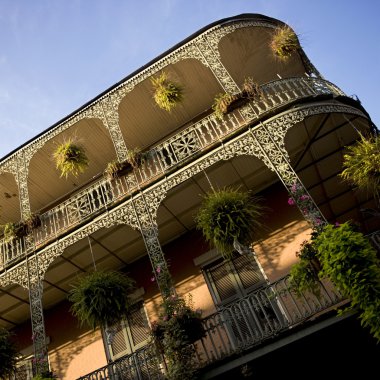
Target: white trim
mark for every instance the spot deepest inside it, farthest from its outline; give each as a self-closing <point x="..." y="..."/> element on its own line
<point x="207" y="258"/>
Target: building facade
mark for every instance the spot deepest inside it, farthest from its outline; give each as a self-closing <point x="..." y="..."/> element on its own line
<point x="292" y="134"/>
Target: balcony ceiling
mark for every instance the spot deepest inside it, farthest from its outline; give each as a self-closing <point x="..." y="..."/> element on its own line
<point x="118" y="246"/>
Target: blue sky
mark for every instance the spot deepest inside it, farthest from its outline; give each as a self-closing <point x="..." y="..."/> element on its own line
<point x="55" y="55"/>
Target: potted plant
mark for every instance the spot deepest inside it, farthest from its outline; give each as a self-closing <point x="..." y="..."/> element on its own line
<point x="361" y="165"/>
<point x="14" y="231"/>
<point x="251" y="89"/>
<point x="304" y="275"/>
<point x="167" y="94"/>
<point x="47" y="375"/>
<point x="178" y="316"/>
<point x="70" y="158"/>
<point x="135" y="157"/>
<point x="223" y="104"/>
<point x="178" y="327"/>
<point x="116" y="169"/>
<point x="8" y="355"/>
<point x="284" y="42"/>
<point x="227" y="217"/>
<point x="101" y="298"/>
<point x="32" y="221"/>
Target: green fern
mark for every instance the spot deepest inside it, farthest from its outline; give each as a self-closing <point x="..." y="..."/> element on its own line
<point x="166" y="93"/>
<point x="226" y="216"/>
<point x="101" y="298"/>
<point x="284" y="42"/>
<point x="8" y="354"/>
<point x="70" y="158"/>
<point x="362" y="165"/>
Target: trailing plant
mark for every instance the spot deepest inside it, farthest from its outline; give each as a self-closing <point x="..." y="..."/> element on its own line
<point x="222" y="103"/>
<point x="178" y="327"/>
<point x="361" y="165"/>
<point x="167" y="94"/>
<point x="351" y="263"/>
<point x="284" y="42"/>
<point x="304" y="275"/>
<point x="101" y="298"/>
<point x="8" y="354"/>
<point x="228" y="216"/>
<point x="70" y="158"/>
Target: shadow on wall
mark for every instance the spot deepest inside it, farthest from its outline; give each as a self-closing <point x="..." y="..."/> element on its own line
<point x="74" y="350"/>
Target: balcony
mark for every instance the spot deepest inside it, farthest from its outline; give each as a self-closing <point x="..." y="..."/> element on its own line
<point x="163" y="159"/>
<point x="245" y="325"/>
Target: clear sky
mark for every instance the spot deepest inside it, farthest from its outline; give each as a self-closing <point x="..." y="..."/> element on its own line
<point x="55" y="55"/>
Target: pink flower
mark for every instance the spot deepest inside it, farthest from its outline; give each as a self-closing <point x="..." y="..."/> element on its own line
<point x="318" y="221"/>
<point x="304" y="197"/>
<point x="165" y="317"/>
<point x="291" y="202"/>
<point x="153" y="279"/>
<point x="158" y="269"/>
<point x="337" y="224"/>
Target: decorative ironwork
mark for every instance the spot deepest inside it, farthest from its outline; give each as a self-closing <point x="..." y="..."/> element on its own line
<point x="262" y="315"/>
<point x="144" y="364"/>
<point x="35" y="286"/>
<point x="208" y="131"/>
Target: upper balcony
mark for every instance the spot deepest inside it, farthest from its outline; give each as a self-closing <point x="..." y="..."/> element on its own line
<point x="186" y="145"/>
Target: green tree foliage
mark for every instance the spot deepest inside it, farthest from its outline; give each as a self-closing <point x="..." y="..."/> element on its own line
<point x="351" y="263"/>
<point x="8" y="354"/>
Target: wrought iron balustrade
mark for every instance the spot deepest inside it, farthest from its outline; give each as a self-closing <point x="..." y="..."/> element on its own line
<point x="175" y="151"/>
<point x="143" y="364"/>
<point x="242" y="325"/>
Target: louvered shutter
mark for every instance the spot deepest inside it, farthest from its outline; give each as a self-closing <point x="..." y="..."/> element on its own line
<point x="131" y="333"/>
<point x="222" y="283"/>
<point x="233" y="279"/>
<point x="248" y="272"/>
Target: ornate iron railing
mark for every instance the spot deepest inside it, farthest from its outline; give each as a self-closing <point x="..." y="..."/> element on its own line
<point x="164" y="157"/>
<point x="264" y="314"/>
<point x="143" y="364"/>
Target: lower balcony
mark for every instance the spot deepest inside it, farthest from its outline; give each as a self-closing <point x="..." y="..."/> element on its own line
<point x="264" y="316"/>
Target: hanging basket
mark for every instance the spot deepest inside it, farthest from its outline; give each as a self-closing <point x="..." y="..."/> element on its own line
<point x="361" y="165"/>
<point x="101" y="298"/>
<point x="70" y="158"/>
<point x="167" y="94"/>
<point x="227" y="216"/>
<point x="284" y="42"/>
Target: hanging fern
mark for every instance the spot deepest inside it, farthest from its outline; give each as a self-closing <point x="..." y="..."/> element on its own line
<point x="70" y="158"/>
<point x="227" y="216"/>
<point x="284" y="42"/>
<point x="362" y="165"/>
<point x="101" y="298"/>
<point x="167" y="94"/>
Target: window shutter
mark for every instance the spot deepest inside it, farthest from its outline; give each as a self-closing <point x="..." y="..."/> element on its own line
<point x="248" y="271"/>
<point x="224" y="286"/>
<point x="138" y="325"/>
<point x="119" y="343"/>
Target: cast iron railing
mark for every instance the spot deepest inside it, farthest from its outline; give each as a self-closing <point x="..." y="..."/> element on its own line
<point x="264" y="314"/>
<point x="164" y="157"/>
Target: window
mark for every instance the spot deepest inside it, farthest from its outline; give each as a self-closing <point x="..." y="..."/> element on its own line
<point x="234" y="279"/>
<point x="131" y="333"/>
